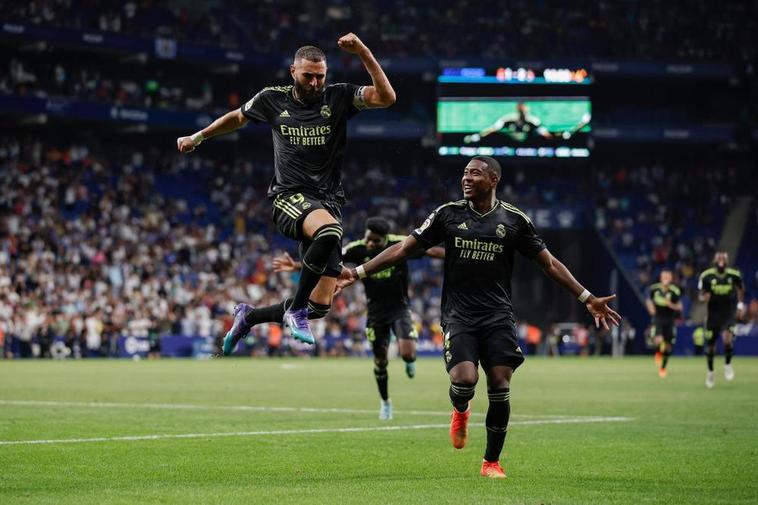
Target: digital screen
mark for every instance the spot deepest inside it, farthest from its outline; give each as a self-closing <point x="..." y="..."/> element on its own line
<point x="514" y="112"/>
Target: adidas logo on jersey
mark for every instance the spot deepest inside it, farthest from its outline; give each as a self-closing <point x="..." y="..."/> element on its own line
<point x="462" y="226"/>
<point x="284" y="114"/>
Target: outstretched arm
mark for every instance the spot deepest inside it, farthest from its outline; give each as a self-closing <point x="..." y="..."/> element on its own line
<point x="436" y="252"/>
<point x="597" y="306"/>
<point x="494" y="127"/>
<point x="380" y="94"/>
<point x="391" y="256"/>
<point x="227" y="123"/>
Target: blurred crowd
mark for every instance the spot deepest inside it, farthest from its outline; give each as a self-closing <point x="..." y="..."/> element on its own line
<point x="656" y="217"/>
<point x="96" y="245"/>
<point x="698" y="29"/>
<point x="113" y="84"/>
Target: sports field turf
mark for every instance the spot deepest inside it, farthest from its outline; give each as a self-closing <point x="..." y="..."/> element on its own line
<point x="649" y="440"/>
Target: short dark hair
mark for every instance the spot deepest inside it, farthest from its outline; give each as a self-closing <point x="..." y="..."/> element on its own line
<point x="492" y="164"/>
<point x="378" y="225"/>
<point x="310" y="53"/>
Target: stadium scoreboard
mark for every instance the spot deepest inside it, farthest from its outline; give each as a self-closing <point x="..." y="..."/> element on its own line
<point x="514" y="112"/>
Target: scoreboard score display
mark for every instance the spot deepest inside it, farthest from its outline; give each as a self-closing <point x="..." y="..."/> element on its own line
<point x="514" y="112"/>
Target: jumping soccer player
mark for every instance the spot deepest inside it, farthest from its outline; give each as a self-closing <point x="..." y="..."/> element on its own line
<point x="664" y="306"/>
<point x="387" y="300"/>
<point x="721" y="287"/>
<point x="481" y="235"/>
<point x="309" y="127"/>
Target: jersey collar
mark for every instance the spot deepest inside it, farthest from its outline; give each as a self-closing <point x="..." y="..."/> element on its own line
<point x="493" y="209"/>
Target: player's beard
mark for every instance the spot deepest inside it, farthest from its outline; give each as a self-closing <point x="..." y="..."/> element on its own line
<point x="307" y="95"/>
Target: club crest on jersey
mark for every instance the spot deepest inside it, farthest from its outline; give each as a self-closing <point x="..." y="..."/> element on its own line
<point x="500" y="231"/>
<point x="326" y="111"/>
<point x="306" y="205"/>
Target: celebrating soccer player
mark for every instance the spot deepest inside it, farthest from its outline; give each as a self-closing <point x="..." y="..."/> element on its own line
<point x="387" y="300"/>
<point x="481" y="235"/>
<point x="309" y="126"/>
<point x="721" y="287"/>
<point x="664" y="306"/>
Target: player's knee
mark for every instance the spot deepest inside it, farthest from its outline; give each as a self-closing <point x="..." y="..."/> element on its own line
<point x="325" y="240"/>
<point x="329" y="233"/>
<point x="467" y="376"/>
<point x="381" y="361"/>
<point x="408" y="356"/>
<point x="317" y="310"/>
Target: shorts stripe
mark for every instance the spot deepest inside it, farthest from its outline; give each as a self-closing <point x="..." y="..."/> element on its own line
<point x="288" y="208"/>
<point x="285" y="210"/>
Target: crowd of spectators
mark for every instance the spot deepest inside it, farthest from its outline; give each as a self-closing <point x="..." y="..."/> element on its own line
<point x="656" y="216"/>
<point x="699" y="29"/>
<point x="95" y="247"/>
<point x="138" y="242"/>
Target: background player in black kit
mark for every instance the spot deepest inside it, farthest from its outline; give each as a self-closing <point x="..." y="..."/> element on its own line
<point x="387" y="299"/>
<point x="722" y="288"/>
<point x="481" y="235"/>
<point x="664" y="305"/>
<point x="309" y="127"/>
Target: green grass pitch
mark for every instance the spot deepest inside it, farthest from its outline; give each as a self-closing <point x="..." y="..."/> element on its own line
<point x="200" y="432"/>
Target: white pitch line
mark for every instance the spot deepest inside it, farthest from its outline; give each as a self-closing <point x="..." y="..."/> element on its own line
<point x="136" y="438"/>
<point x="240" y="408"/>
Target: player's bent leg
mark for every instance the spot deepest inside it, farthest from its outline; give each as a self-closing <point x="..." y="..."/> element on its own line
<point x="463" y="379"/>
<point x="728" y="352"/>
<point x="710" y="380"/>
<point x="406" y="340"/>
<point x="326" y="234"/>
<point x="378" y="336"/>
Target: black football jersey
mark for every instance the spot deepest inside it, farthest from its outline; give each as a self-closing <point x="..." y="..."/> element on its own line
<point x="479" y="254"/>
<point x="309" y="138"/>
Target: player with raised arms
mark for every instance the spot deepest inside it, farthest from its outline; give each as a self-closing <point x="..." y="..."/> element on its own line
<point x="309" y="127"/>
<point x="481" y="235"/>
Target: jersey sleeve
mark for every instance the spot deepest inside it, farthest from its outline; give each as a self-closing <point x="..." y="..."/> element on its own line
<point x="703" y="283"/>
<point x="676" y="295"/>
<point x="258" y="109"/>
<point x="528" y="242"/>
<point x="353" y="98"/>
<point x="737" y="276"/>
<point x="351" y="253"/>
<point x="432" y="231"/>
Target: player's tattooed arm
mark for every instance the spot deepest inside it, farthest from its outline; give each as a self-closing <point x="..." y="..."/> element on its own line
<point x="380" y="94"/>
<point x="597" y="306"/>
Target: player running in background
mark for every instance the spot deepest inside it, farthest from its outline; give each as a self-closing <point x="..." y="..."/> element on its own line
<point x="389" y="309"/>
<point x="722" y="288"/>
<point x="481" y="235"/>
<point x="664" y="306"/>
<point x="309" y="127"/>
